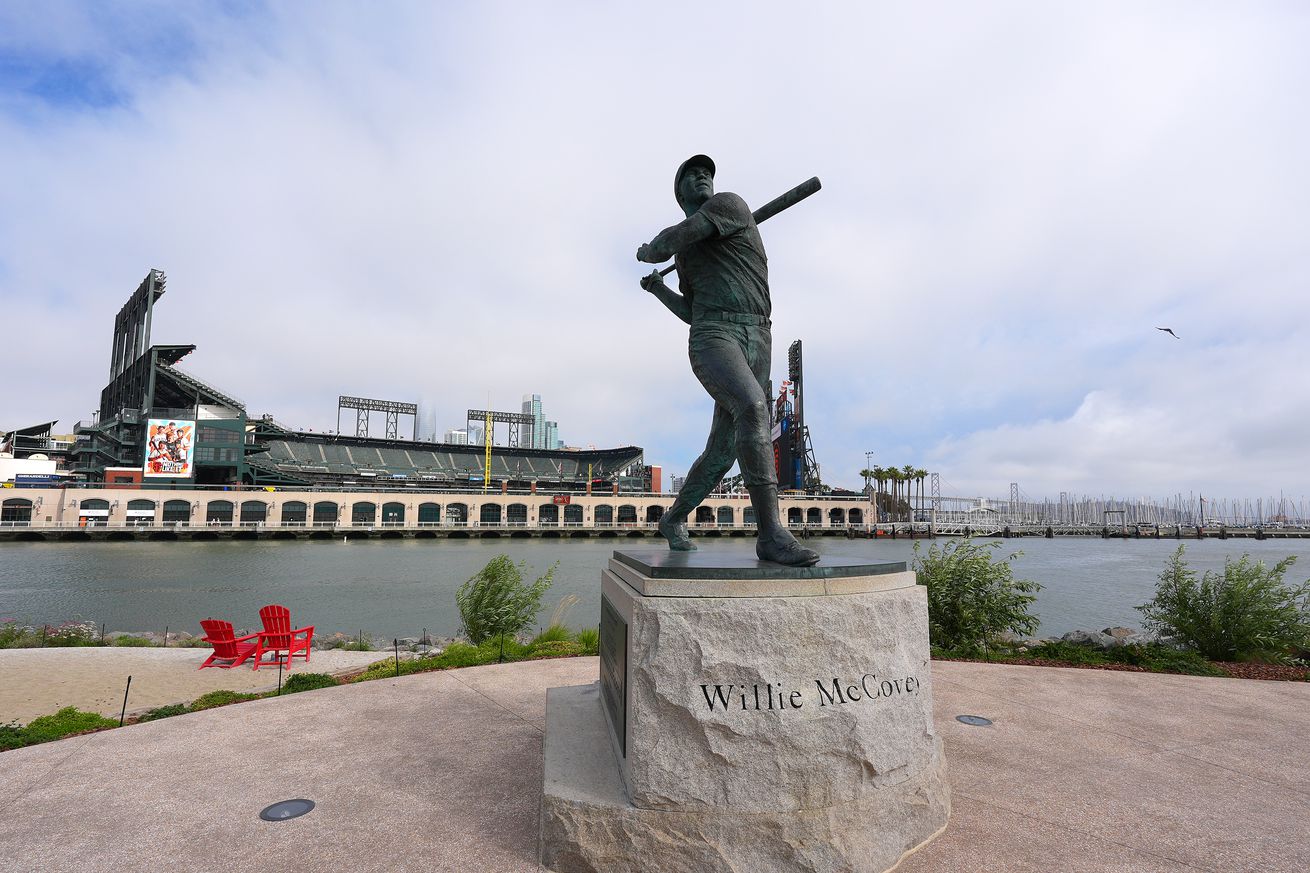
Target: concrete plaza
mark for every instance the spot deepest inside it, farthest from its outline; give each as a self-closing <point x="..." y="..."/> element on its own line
<point x="1082" y="770"/>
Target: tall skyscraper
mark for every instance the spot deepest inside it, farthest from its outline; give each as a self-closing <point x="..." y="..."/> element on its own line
<point x="532" y="407"/>
<point x="551" y="438"/>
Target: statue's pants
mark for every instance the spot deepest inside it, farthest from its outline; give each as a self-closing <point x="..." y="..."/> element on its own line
<point x="732" y="362"/>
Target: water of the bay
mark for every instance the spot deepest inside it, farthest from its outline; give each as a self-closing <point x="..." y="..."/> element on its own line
<point x="390" y="588"/>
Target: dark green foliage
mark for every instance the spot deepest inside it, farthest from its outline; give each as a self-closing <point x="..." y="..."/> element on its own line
<point x="1156" y="657"/>
<point x="589" y="639"/>
<point x="1070" y="653"/>
<point x="163" y="712"/>
<point x="308" y="682"/>
<point x="221" y="697"/>
<point x="971" y="598"/>
<point x="496" y="601"/>
<point x="1245" y="613"/>
<point x="66" y="721"/>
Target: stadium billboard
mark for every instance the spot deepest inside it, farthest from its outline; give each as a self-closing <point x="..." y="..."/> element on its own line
<point x="170" y="448"/>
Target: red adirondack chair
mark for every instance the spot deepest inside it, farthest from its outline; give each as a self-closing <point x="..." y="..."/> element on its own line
<point x="278" y="636"/>
<point x="227" y="646"/>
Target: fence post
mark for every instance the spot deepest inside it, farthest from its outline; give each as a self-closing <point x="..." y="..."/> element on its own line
<point x="123" y="714"/>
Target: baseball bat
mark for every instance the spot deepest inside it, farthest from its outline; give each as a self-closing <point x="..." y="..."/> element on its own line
<point x="774" y="206"/>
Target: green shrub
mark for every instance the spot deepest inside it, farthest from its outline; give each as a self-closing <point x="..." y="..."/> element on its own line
<point x="221" y="697"/>
<point x="1070" y="653"/>
<point x="555" y="649"/>
<point x="10" y="634"/>
<point x="971" y="598"/>
<point x="496" y="601"/>
<point x="132" y="642"/>
<point x="307" y="682"/>
<point x="163" y="712"/>
<point x="1159" y="658"/>
<point x="589" y="639"/>
<point x="66" y="721"/>
<point x="553" y="634"/>
<point x="461" y="655"/>
<point x="1244" y="613"/>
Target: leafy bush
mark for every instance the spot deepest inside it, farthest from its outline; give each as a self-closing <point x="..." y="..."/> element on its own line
<point x="554" y="634"/>
<point x="66" y="721"/>
<point x="163" y="712"/>
<point x="496" y="601"/>
<point x="132" y="642"/>
<point x="971" y="598"/>
<point x="307" y="682"/>
<point x="589" y="639"/>
<point x="1244" y="613"/>
<point x="221" y="697"/>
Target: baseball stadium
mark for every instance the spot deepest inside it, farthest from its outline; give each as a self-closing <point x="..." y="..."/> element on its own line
<point x="161" y="428"/>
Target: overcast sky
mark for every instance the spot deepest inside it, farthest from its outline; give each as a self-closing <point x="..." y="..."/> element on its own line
<point x="441" y="203"/>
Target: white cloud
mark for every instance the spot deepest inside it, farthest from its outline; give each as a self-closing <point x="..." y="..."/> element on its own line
<point x="444" y="203"/>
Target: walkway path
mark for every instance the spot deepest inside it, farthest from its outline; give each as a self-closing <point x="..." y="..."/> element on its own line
<point x="1083" y="770"/>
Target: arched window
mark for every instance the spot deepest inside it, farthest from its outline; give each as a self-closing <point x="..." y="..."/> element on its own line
<point x="573" y="514"/>
<point x="141" y="512"/>
<point x="16" y="512"/>
<point x="855" y="516"/>
<point x="218" y="512"/>
<point x="489" y="513"/>
<point x="794" y="515"/>
<point x="93" y="512"/>
<point x="837" y="517"/>
<point x="363" y="512"/>
<point x="254" y="512"/>
<point x="725" y="516"/>
<point x="548" y="513"/>
<point x="177" y="512"/>
<point x="517" y="513"/>
<point x="325" y="513"/>
<point x="748" y="516"/>
<point x="704" y="515"/>
<point x="457" y="514"/>
<point x="604" y="514"/>
<point x="814" y="516"/>
<point x="393" y="514"/>
<point x="654" y="513"/>
<point x="627" y="514"/>
<point x="429" y="514"/>
<point x="293" y="512"/>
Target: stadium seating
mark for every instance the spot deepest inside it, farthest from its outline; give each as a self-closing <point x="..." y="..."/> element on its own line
<point x="322" y="459"/>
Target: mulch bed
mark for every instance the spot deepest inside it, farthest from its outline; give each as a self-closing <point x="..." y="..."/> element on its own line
<point x="1234" y="669"/>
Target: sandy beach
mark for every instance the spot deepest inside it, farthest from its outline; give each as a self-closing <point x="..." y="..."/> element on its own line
<point x="36" y="682"/>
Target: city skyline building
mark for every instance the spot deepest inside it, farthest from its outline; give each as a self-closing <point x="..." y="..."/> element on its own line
<point x="532" y="407"/>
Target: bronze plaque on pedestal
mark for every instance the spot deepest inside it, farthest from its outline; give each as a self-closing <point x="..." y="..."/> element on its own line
<point x="614" y="670"/>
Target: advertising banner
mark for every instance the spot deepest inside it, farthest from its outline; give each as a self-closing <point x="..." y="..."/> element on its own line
<point x="170" y="446"/>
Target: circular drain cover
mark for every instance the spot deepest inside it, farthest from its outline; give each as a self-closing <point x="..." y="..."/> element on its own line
<point x="286" y="809"/>
<point x="975" y="720"/>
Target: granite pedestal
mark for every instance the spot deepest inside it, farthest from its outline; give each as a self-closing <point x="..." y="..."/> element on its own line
<point x="749" y="717"/>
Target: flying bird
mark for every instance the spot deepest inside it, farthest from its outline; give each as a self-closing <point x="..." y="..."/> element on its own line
<point x="1170" y="331"/>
